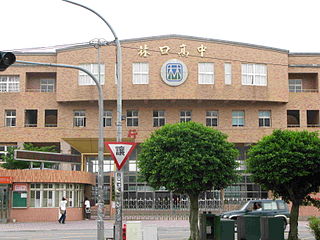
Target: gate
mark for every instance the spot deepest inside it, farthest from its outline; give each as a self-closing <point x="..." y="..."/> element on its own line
<point x="4" y="200"/>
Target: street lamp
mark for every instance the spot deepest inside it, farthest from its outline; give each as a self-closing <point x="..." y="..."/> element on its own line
<point x="118" y="174"/>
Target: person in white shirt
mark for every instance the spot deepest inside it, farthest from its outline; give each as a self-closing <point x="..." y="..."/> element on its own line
<point x="87" y="209"/>
<point x="63" y="210"/>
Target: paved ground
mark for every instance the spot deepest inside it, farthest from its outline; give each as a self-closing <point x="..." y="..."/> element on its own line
<point x="86" y="230"/>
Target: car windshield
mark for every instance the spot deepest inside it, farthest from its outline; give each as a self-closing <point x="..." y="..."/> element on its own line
<point x="244" y="207"/>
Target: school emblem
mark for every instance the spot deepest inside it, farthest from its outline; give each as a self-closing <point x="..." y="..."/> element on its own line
<point x="174" y="72"/>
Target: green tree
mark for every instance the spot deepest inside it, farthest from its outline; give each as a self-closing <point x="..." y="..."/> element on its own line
<point x="288" y="163"/>
<point x="10" y="163"/>
<point x="188" y="158"/>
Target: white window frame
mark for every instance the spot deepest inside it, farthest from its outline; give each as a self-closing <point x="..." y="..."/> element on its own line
<point x="228" y="73"/>
<point x="9" y="83"/>
<point x="79" y="118"/>
<point x="295" y="85"/>
<point x="159" y="118"/>
<point x="10" y="118"/>
<point x="132" y="118"/>
<point x="86" y="80"/>
<point x="210" y="116"/>
<point x="205" y="73"/>
<point x="107" y="118"/>
<point x="47" y="85"/>
<point x="185" y="116"/>
<point x="263" y="116"/>
<point x="254" y="74"/>
<point x="140" y="73"/>
<point x="237" y="116"/>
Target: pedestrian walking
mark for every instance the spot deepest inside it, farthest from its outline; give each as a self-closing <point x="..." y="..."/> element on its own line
<point x="63" y="210"/>
<point x="87" y="208"/>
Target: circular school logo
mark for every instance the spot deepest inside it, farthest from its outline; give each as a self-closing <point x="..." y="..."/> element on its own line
<point x="174" y="72"/>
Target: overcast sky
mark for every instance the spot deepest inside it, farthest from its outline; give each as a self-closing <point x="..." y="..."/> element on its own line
<point x="291" y="25"/>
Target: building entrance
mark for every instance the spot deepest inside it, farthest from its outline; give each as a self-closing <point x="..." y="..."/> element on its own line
<point x="4" y="200"/>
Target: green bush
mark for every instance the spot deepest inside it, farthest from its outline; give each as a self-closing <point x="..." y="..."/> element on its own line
<point x="314" y="224"/>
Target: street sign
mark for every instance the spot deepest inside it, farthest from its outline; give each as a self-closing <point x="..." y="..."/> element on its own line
<point x="120" y="151"/>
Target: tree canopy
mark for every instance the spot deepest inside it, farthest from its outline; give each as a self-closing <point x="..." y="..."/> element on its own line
<point x="10" y="163"/>
<point x="288" y="163"/>
<point x="188" y="158"/>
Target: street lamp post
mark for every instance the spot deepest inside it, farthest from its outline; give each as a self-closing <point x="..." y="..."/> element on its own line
<point x="100" y="222"/>
<point x="118" y="174"/>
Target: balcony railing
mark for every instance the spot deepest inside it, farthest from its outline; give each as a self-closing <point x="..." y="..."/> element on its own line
<point x="39" y="90"/>
<point x="30" y="125"/>
<point x="303" y="90"/>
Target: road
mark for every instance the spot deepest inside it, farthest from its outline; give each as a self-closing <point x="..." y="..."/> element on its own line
<point x="86" y="230"/>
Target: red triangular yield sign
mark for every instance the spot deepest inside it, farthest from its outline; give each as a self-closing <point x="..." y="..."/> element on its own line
<point x="120" y="151"/>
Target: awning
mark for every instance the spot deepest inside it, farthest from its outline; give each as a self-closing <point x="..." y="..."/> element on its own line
<point x="90" y="145"/>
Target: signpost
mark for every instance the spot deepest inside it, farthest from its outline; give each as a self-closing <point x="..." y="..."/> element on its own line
<point x="120" y="152"/>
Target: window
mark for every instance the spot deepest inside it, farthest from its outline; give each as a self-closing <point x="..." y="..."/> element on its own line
<point x="159" y="118"/>
<point x="227" y="73"/>
<point x="51" y="118"/>
<point x="254" y="74"/>
<point x="49" y="195"/>
<point x="185" y="116"/>
<point x="212" y="118"/>
<point x="132" y="118"/>
<point x="47" y="85"/>
<point x="10" y="118"/>
<point x="9" y="83"/>
<point x="237" y="118"/>
<point x="140" y="73"/>
<point x="205" y="73"/>
<point x="107" y="118"/>
<point x="264" y="118"/>
<point x="295" y="85"/>
<point x="293" y="118"/>
<point x="313" y="118"/>
<point x="31" y="118"/>
<point x="79" y="118"/>
<point x="85" y="79"/>
<point x="4" y="150"/>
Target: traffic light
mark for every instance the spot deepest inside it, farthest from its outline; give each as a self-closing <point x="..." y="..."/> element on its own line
<point x="6" y="59"/>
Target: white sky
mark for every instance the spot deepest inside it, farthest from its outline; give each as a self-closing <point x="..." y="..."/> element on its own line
<point x="291" y="25"/>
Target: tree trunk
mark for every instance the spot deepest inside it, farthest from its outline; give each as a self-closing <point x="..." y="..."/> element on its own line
<point x="193" y="217"/>
<point x="294" y="214"/>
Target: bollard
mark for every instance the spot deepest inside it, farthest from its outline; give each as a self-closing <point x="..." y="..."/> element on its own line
<point x="124" y="232"/>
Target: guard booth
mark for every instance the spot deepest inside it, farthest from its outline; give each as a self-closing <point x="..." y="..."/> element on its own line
<point x="4" y="198"/>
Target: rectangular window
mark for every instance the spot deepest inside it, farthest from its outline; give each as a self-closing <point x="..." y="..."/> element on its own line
<point x="31" y="118"/>
<point x="237" y="118"/>
<point x="313" y="118"/>
<point x="47" y="85"/>
<point x="159" y="118"/>
<point x="132" y="118"/>
<point x="85" y="79"/>
<point x="107" y="118"/>
<point x="293" y="118"/>
<point x="264" y="118"/>
<point x="9" y="84"/>
<point x="51" y="118"/>
<point x="205" y="73"/>
<point x="79" y="118"/>
<point x="140" y="73"/>
<point x="185" y="116"/>
<point x="10" y="118"/>
<point x="295" y="85"/>
<point x="212" y="118"/>
<point x="227" y="73"/>
<point x="254" y="74"/>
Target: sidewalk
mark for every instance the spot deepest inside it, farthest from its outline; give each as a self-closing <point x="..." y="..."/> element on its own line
<point x="85" y="224"/>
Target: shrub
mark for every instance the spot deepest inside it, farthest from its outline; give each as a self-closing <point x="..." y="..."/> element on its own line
<point x="314" y="224"/>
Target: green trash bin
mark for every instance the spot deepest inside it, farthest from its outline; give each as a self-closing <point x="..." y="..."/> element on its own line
<point x="227" y="229"/>
<point x="248" y="228"/>
<point x="210" y="227"/>
<point x="272" y="228"/>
